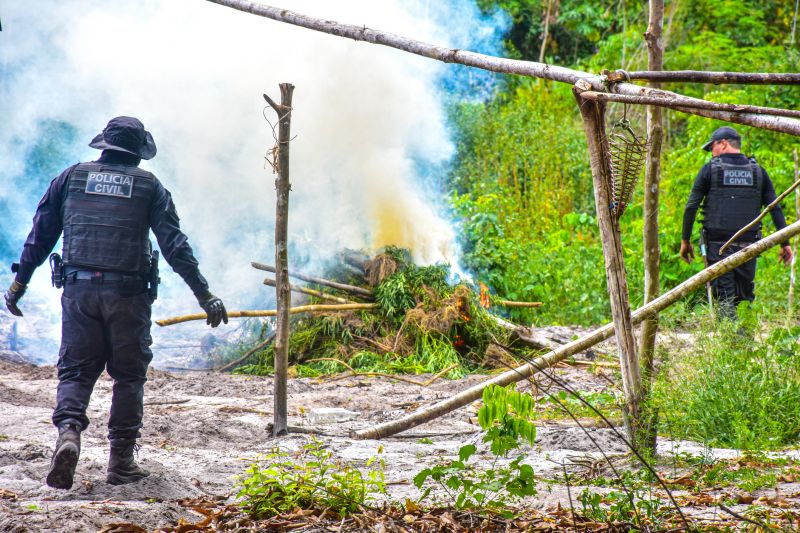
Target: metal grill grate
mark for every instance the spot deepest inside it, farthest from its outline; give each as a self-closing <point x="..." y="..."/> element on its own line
<point x="627" y="156"/>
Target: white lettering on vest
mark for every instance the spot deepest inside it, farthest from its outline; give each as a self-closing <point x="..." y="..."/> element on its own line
<point x="109" y="184"/>
<point x="738" y="177"/>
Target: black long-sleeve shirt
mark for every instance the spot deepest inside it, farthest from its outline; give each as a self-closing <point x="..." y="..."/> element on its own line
<point x="702" y="184"/>
<point x="164" y="222"/>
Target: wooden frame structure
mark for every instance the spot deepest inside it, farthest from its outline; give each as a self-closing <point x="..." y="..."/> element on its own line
<point x="591" y="93"/>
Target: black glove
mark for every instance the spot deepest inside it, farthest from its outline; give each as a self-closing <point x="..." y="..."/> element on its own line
<point x="13" y="295"/>
<point x="214" y="308"/>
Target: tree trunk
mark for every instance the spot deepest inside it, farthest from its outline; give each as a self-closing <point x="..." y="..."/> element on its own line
<point x="514" y="66"/>
<point x="652" y="249"/>
<point x="426" y="414"/>
<point x="282" y="287"/>
<point x="546" y="33"/>
<point x="593" y="114"/>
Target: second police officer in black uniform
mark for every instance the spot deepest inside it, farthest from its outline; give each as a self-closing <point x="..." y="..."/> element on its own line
<point x="106" y="210"/>
<point x="731" y="190"/>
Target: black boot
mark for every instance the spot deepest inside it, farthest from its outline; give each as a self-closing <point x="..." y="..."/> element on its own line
<point x="65" y="457"/>
<point x="122" y="468"/>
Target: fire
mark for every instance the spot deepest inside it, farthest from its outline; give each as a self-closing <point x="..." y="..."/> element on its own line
<point x="486" y="303"/>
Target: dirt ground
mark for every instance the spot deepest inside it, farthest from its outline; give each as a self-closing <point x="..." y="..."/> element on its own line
<point x="202" y="429"/>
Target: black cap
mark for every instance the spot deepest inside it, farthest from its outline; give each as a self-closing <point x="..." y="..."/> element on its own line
<point x="725" y="132"/>
<point x="126" y="134"/>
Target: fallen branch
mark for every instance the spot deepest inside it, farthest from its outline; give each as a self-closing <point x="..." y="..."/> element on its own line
<point x="310" y="292"/>
<point x="475" y="392"/>
<point x="251" y="351"/>
<point x="359" y="291"/>
<point x="269" y="312"/>
<point x="580" y="362"/>
<point x="676" y="102"/>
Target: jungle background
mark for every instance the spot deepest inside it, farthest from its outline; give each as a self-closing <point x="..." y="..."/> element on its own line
<point x="527" y="210"/>
<point x="519" y="189"/>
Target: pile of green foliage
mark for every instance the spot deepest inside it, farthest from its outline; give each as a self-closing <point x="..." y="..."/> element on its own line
<point x="423" y="324"/>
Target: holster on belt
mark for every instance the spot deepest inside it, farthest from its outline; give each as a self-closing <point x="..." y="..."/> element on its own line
<point x="57" y="272"/>
<point x="153" y="278"/>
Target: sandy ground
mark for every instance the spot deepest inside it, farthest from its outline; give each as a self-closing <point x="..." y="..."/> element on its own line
<point x="202" y="429"/>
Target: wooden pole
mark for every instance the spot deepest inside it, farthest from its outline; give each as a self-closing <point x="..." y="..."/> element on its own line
<point x="652" y="249"/>
<point x="699" y="76"/>
<point x="507" y="66"/>
<point x="671" y="100"/>
<point x="593" y="114"/>
<point x="431" y="412"/>
<point x="352" y="289"/>
<point x="792" y="276"/>
<point x="320" y="308"/>
<point x="282" y="290"/>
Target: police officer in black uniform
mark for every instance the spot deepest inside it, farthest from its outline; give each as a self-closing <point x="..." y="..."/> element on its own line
<point x="106" y="209"/>
<point x="732" y="188"/>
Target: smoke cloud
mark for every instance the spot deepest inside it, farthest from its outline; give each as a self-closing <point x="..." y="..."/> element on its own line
<point x="367" y="121"/>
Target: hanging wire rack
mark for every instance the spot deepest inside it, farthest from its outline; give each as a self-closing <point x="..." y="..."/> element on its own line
<point x="627" y="156"/>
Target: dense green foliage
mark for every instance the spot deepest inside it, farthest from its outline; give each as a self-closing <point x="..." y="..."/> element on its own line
<point x="521" y="184"/>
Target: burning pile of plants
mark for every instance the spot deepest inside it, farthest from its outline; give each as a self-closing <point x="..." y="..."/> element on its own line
<point x="420" y="323"/>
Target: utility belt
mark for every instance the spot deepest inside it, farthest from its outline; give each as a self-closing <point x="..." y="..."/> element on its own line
<point x="62" y="274"/>
<point x="738" y="244"/>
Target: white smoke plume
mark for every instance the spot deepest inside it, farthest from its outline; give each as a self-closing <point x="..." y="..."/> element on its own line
<point x="364" y="118"/>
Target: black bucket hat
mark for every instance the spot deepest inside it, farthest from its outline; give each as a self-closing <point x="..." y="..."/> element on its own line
<point x="725" y="132"/>
<point x="126" y="134"/>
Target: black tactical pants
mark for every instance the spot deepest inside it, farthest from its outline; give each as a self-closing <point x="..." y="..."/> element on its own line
<point x="104" y="326"/>
<point x="735" y="286"/>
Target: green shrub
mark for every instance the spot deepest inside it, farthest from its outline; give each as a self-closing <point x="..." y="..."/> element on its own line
<point x="731" y="390"/>
<point x="312" y="481"/>
<point x="506" y="415"/>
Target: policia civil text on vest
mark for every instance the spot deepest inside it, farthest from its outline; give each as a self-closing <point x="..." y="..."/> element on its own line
<point x="106" y="210"/>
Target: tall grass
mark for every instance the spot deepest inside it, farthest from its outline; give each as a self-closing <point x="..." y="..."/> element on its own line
<point x="733" y="390"/>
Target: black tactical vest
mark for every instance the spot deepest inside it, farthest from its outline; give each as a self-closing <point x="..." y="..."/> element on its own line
<point x="733" y="199"/>
<point x="106" y="217"/>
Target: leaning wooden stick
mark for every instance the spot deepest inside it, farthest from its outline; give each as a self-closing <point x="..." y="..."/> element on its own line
<point x="248" y="353"/>
<point x="311" y="292"/>
<point x="475" y="392"/>
<point x="766" y="210"/>
<point x="269" y="312"/>
<point x="352" y="289"/>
